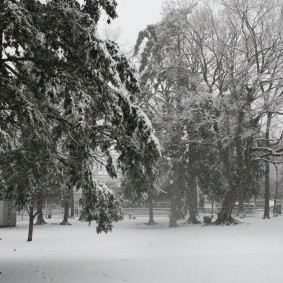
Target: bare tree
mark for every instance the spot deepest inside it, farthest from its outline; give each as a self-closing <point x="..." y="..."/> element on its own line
<point x="241" y="63"/>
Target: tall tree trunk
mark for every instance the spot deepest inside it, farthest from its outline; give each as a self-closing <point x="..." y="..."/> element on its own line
<point x="240" y="165"/>
<point x="72" y="204"/>
<point x="31" y="220"/>
<point x="40" y="220"/>
<point x="186" y="207"/>
<point x="275" y="212"/>
<point x="177" y="169"/>
<point x="1" y="35"/>
<point x="174" y="208"/>
<point x="235" y="181"/>
<point x="241" y="209"/>
<point x="224" y="217"/>
<point x="174" y="197"/>
<point x="30" y="230"/>
<point x="193" y="202"/>
<point x="66" y="212"/>
<point x="49" y="210"/>
<point x="267" y="169"/>
<point x="266" y="192"/>
<point x="151" y="219"/>
<point x="1" y="45"/>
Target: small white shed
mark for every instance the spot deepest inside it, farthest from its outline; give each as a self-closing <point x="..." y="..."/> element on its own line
<point x="7" y="214"/>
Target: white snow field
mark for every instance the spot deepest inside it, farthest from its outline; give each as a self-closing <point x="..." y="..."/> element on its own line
<point x="134" y="252"/>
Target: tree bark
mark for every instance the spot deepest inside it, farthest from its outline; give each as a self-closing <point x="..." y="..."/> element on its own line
<point x="186" y="207"/>
<point x="236" y="179"/>
<point x="266" y="214"/>
<point x="49" y="210"/>
<point x="1" y="35"/>
<point x="174" y="210"/>
<point x="239" y="164"/>
<point x="275" y="212"/>
<point x="241" y="209"/>
<point x="40" y="220"/>
<point x="224" y="217"/>
<point x="266" y="192"/>
<point x="31" y="219"/>
<point x="72" y="204"/>
<point x="66" y="212"/>
<point x="192" y="197"/>
<point x="1" y="45"/>
<point x="176" y="184"/>
<point x="151" y="219"/>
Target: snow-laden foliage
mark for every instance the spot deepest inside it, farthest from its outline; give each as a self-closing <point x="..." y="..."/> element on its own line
<point x="212" y="81"/>
<point x="100" y="205"/>
<point x="66" y="95"/>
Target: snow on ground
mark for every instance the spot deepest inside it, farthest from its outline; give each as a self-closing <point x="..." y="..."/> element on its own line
<point x="134" y="252"/>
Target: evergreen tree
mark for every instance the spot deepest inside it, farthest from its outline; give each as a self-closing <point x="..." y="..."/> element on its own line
<point x="66" y="105"/>
<point x="170" y="81"/>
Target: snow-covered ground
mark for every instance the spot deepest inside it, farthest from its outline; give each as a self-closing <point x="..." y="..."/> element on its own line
<point x="134" y="252"/>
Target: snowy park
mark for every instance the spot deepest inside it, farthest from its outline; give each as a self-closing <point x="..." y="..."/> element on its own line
<point x="141" y="141"/>
<point x="135" y="252"/>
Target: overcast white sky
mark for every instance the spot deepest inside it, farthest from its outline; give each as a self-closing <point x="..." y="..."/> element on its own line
<point x="134" y="15"/>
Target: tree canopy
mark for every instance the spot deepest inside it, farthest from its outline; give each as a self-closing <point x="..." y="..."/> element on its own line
<point x="212" y="79"/>
<point x="66" y="105"/>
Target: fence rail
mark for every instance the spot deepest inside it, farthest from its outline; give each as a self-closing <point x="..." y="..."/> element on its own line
<point x="166" y="211"/>
<point x="55" y="213"/>
<point x="144" y="211"/>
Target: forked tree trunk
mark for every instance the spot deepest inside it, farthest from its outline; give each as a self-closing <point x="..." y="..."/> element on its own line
<point x="224" y="217"/>
<point x="151" y="219"/>
<point x="193" y="202"/>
